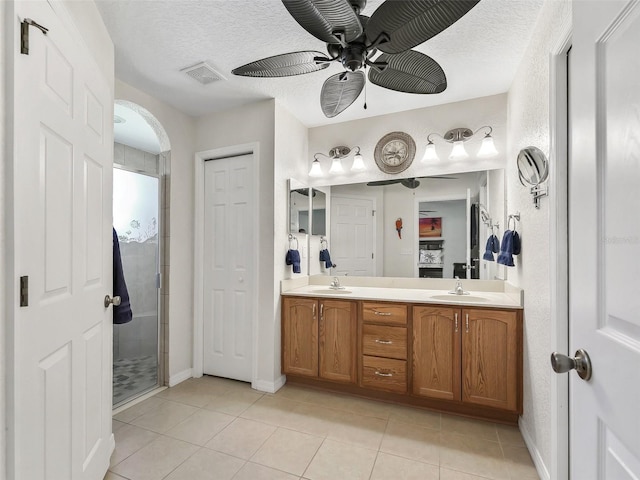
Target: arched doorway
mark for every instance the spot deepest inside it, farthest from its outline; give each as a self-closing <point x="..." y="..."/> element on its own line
<point x="141" y="163"/>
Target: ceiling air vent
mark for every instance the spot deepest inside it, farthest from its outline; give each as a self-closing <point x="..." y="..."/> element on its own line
<point x="203" y="73"/>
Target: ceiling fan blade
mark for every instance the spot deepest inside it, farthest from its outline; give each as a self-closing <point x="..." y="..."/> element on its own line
<point x="410" y="72"/>
<point x="322" y="18"/>
<point x="339" y="91"/>
<point x="285" y="65"/>
<point x="410" y="183"/>
<point x="411" y="22"/>
<point x="382" y="183"/>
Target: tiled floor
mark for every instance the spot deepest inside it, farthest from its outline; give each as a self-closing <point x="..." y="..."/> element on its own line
<point x="218" y="429"/>
<point x="132" y="376"/>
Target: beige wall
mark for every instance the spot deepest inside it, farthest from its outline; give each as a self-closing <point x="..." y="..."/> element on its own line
<point x="243" y="125"/>
<point x="528" y="124"/>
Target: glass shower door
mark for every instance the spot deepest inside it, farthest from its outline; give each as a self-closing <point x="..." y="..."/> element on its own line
<point x="135" y="344"/>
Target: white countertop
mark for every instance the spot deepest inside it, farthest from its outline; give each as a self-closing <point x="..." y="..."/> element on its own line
<point x="487" y="294"/>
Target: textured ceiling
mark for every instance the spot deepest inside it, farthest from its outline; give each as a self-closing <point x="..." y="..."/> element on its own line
<point x="155" y="39"/>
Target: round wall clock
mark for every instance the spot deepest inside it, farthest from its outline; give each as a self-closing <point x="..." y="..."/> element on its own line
<point x="394" y="152"/>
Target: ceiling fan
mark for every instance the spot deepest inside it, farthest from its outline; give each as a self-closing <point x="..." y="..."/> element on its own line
<point x="407" y="182"/>
<point x="353" y="40"/>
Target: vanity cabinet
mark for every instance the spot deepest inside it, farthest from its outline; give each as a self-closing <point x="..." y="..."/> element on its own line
<point x="468" y="355"/>
<point x="300" y="336"/>
<point x="319" y="338"/>
<point x="465" y="360"/>
<point x="384" y="346"/>
<point x="436" y="352"/>
<point x="492" y="358"/>
<point x="338" y="340"/>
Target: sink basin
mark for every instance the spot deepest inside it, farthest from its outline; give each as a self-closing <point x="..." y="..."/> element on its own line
<point x="331" y="291"/>
<point x="459" y="298"/>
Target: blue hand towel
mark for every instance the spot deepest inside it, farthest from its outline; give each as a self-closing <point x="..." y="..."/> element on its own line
<point x="510" y="247"/>
<point x="293" y="258"/>
<point x="326" y="258"/>
<point x="121" y="313"/>
<point x="493" y="246"/>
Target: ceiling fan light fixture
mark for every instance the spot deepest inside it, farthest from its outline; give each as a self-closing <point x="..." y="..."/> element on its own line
<point x="315" y="171"/>
<point x="458" y="151"/>
<point x="487" y="149"/>
<point x="358" y="162"/>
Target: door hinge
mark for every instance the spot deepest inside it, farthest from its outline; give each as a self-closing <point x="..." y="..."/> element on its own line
<point x="24" y="291"/>
<point x="373" y="213"/>
<point x="24" y="34"/>
<point x="372" y="255"/>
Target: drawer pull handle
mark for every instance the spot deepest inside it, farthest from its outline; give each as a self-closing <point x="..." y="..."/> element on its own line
<point x="467" y="322"/>
<point x="456" y="322"/>
<point x="384" y="342"/>
<point x="383" y="314"/>
<point x="314" y="310"/>
<point x="383" y="374"/>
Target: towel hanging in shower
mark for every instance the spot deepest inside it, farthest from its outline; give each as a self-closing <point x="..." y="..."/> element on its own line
<point x="121" y="313"/>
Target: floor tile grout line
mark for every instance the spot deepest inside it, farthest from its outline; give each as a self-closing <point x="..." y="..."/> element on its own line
<point x="304" y="473"/>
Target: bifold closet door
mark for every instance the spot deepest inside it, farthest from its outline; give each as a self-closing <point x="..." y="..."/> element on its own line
<point x="230" y="248"/>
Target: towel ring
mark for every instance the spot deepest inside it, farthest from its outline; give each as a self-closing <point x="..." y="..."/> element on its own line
<point x="516" y="218"/>
<point x="292" y="238"/>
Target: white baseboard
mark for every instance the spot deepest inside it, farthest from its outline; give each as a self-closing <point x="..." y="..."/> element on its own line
<point x="543" y="471"/>
<point x="180" y="377"/>
<point x="269" y="387"/>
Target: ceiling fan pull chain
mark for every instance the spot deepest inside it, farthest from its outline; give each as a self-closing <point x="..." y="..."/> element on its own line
<point x="365" y="88"/>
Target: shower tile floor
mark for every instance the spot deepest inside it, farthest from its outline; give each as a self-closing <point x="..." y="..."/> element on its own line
<point x="212" y="428"/>
<point x="132" y="376"/>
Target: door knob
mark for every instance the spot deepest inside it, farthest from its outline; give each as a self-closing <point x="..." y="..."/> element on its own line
<point x="581" y="363"/>
<point x="108" y="301"/>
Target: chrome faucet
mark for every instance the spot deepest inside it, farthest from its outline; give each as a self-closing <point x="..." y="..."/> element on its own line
<point x="458" y="290"/>
<point x="335" y="283"/>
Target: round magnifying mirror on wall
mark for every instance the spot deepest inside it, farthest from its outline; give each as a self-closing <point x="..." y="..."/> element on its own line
<point x="533" y="166"/>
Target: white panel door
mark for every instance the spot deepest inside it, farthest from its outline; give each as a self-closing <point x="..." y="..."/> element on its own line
<point x="60" y="427"/>
<point x="352" y="236"/>
<point x="230" y="250"/>
<point x="604" y="244"/>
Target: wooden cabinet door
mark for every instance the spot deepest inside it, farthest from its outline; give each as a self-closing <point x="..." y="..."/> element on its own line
<point x="436" y="352"/>
<point x="338" y="340"/>
<point x="490" y="358"/>
<point x="300" y="336"/>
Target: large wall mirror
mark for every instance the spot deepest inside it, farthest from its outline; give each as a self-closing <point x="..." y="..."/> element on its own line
<point x="303" y="200"/>
<point x="433" y="227"/>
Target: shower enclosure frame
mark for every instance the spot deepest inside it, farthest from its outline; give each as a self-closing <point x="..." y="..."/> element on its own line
<point x="159" y="279"/>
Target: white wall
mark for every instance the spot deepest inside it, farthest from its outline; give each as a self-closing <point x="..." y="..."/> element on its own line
<point x="417" y="123"/>
<point x="180" y="129"/>
<point x="3" y="279"/>
<point x="290" y="145"/>
<point x="528" y="124"/>
<point x="249" y="124"/>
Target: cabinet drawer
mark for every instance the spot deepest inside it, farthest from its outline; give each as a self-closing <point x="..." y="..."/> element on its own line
<point x="383" y="341"/>
<point x="384" y="313"/>
<point x="384" y="374"/>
